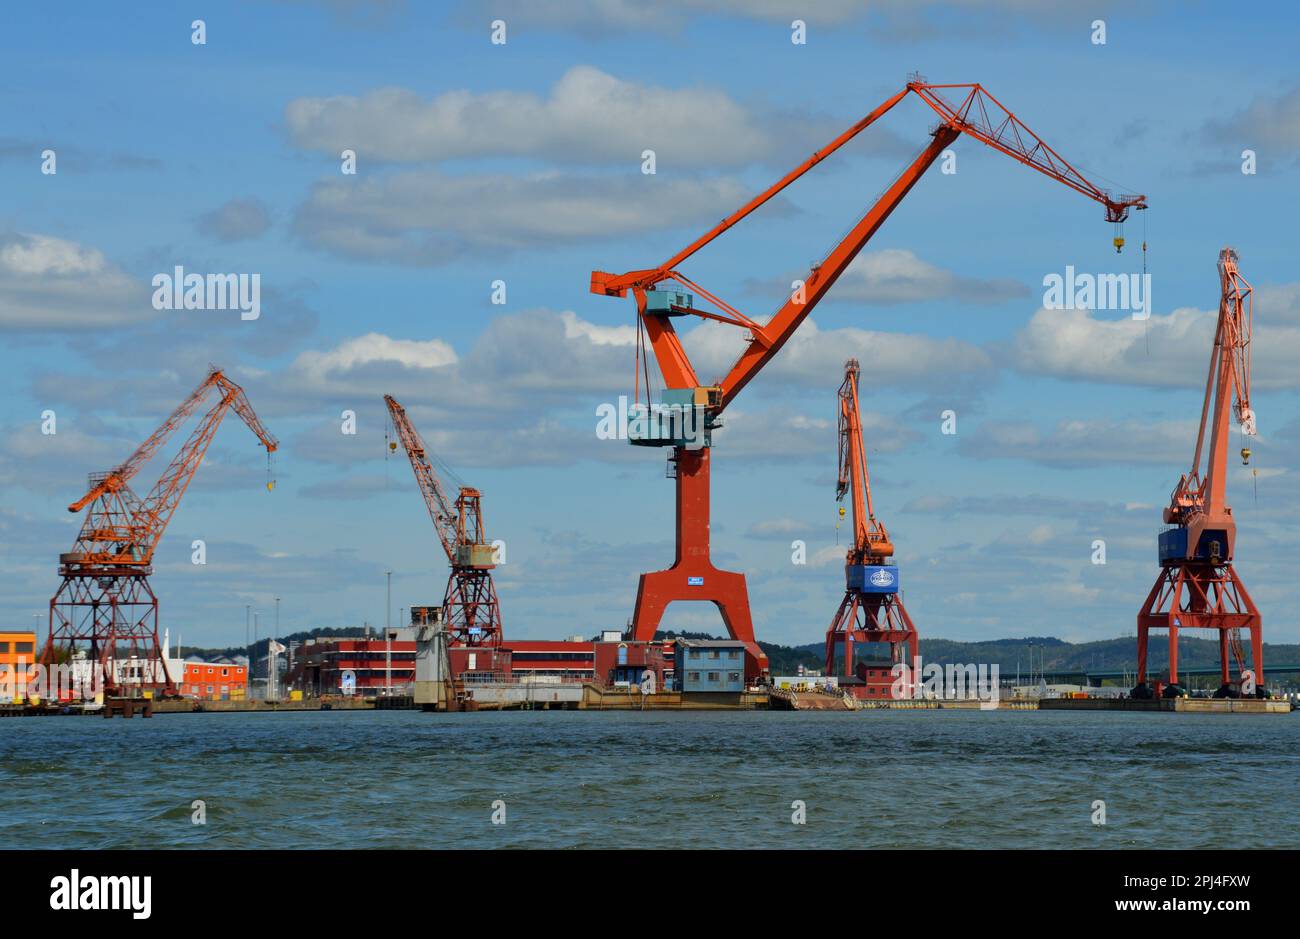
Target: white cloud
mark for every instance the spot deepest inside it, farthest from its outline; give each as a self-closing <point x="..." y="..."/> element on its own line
<point x="588" y="116"/>
<point x="778" y="529"/>
<point x="907" y="18"/>
<point x="896" y="275"/>
<point x="376" y="347"/>
<point x="236" y="220"/>
<point x="1076" y="444"/>
<point x="598" y="335"/>
<point x="812" y="354"/>
<point x="52" y="283"/>
<point x="424" y="217"/>
<point x="1271" y="122"/>
<point x="1164" y="351"/>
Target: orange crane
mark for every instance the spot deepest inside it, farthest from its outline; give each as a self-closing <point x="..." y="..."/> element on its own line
<point x="693" y="576"/>
<point x="470" y="607"/>
<point x="105" y="598"/>
<point x="872" y="609"/>
<point x="1197" y="587"/>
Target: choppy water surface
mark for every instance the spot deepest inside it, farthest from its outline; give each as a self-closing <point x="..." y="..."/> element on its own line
<point x="877" y="779"/>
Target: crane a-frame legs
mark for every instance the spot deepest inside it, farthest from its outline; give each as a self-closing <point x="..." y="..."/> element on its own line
<point x="864" y="617"/>
<point x="1201" y="595"/>
<point x="693" y="576"/>
<point x="115" y="612"/>
<point x="470" y="608"/>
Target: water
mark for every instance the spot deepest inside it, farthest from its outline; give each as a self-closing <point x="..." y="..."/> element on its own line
<point x="875" y="779"/>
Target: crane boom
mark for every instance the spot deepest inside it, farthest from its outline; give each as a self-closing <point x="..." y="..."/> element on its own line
<point x="1198" y="502"/>
<point x="871" y="544"/>
<point x="978" y="115"/>
<point x="126" y="530"/>
<point x="441" y="509"/>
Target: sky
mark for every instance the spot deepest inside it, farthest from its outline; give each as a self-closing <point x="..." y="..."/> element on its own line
<point x="523" y="162"/>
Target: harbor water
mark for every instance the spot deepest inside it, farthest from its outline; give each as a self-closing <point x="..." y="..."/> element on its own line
<point x="588" y="779"/>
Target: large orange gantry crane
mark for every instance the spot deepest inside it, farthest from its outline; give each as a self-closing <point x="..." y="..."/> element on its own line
<point x="872" y="609"/>
<point x="470" y="607"/>
<point x="1197" y="587"/>
<point x="693" y="576"/>
<point x="105" y="598"/>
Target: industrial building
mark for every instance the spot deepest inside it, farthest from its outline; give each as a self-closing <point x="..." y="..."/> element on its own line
<point x="361" y="666"/>
<point x="716" y="665"/>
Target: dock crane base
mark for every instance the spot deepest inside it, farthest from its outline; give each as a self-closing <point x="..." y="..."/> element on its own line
<point x="116" y="614"/>
<point x="871" y="618"/>
<point x="1201" y="595"/>
<point x="693" y="576"/>
<point x="471" y="607"/>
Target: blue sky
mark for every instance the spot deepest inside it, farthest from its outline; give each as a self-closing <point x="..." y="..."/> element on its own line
<point x="522" y="162"/>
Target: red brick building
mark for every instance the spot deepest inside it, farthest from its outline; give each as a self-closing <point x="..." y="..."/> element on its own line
<point x="367" y="666"/>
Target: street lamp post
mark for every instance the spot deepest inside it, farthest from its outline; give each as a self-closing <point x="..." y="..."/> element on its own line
<point x="388" y="640"/>
<point x="275" y="678"/>
<point x="252" y="662"/>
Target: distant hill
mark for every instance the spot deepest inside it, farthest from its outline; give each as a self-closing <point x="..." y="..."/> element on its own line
<point x="1049" y="653"/>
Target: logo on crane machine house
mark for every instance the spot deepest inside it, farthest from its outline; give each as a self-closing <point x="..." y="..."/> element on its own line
<point x="882" y="578"/>
<point x="675" y="423"/>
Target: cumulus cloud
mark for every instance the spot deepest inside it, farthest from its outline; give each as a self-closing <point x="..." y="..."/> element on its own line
<point x="1164" y="351"/>
<point x="1076" y="444"/>
<point x="424" y="217"/>
<point x="599" y="17"/>
<point x="1268" y="122"/>
<point x="236" y="220"/>
<point x="778" y="529"/>
<point x="538" y="358"/>
<point x="588" y="116"/>
<point x="52" y="283"/>
<point x="376" y="347"/>
<point x="896" y="275"/>
<point x="811" y="354"/>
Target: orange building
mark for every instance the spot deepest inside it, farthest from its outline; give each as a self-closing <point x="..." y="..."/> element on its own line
<point x="17" y="644"/>
<point x="215" y="681"/>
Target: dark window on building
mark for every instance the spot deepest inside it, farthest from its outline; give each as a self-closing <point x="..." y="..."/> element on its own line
<point x="22" y="647"/>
